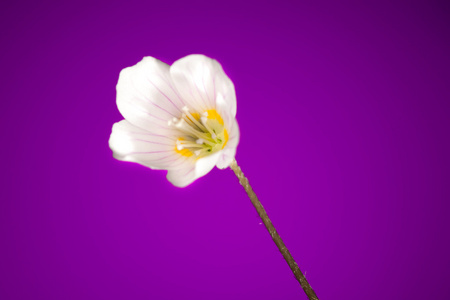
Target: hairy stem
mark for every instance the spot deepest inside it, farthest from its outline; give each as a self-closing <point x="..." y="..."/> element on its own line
<point x="275" y="236"/>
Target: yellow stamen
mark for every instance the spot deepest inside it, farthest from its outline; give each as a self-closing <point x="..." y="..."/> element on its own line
<point x="225" y="134"/>
<point x="184" y="151"/>
<point x="201" y="134"/>
<point x="213" y="115"/>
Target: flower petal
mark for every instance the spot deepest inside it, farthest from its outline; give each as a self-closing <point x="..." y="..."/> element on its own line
<point x="156" y="151"/>
<point x="204" y="85"/>
<point x="204" y="165"/>
<point x="229" y="152"/>
<point x="191" y="170"/>
<point x="146" y="96"/>
<point x="182" y="176"/>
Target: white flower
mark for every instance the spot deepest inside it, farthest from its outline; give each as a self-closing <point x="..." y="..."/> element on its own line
<point x="179" y="118"/>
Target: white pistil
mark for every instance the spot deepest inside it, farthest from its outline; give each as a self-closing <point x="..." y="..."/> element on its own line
<point x="184" y="126"/>
<point x="202" y="152"/>
<point x="205" y="123"/>
<point x="190" y="144"/>
<point x="204" y="118"/>
<point x="192" y="119"/>
<point x="200" y="137"/>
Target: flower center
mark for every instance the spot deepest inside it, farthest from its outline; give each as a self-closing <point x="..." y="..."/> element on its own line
<point x="199" y="134"/>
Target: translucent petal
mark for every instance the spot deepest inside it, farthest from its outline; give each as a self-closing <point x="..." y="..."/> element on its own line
<point x="156" y="151"/>
<point x="146" y="96"/>
<point x="229" y="152"/>
<point x="182" y="176"/>
<point x="191" y="170"/>
<point x="204" y="85"/>
<point x="204" y="165"/>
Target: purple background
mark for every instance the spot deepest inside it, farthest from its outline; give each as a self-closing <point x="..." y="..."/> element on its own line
<point x="343" y="110"/>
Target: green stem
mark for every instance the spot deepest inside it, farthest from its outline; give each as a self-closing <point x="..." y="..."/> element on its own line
<point x="275" y="236"/>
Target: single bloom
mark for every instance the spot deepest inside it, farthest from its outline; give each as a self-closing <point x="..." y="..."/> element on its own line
<point x="179" y="118"/>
